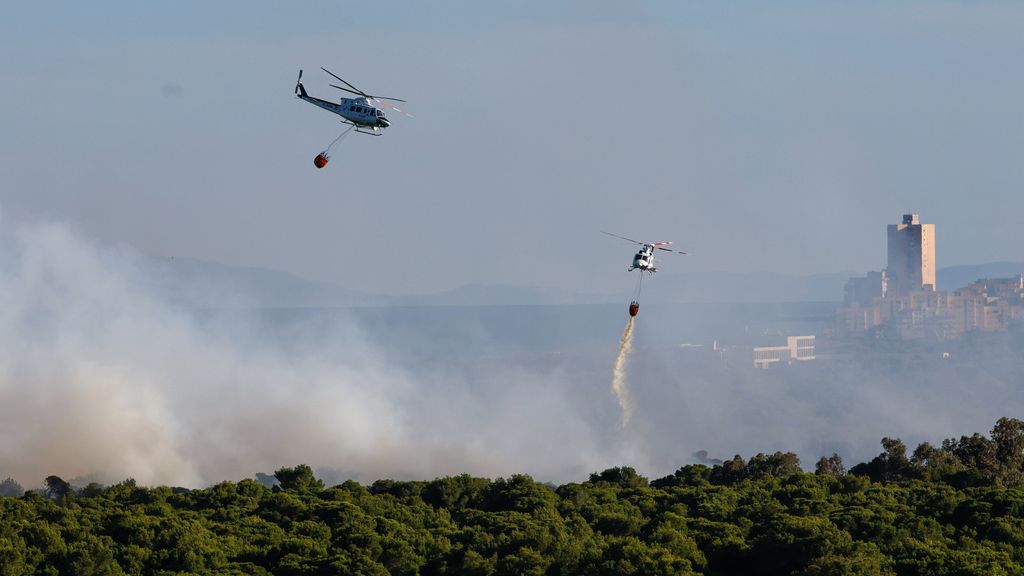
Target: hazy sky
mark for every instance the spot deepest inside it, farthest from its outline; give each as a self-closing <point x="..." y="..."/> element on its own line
<point x="758" y="136"/>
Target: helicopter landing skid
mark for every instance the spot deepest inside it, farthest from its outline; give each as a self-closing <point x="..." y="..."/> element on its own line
<point x="362" y="129"/>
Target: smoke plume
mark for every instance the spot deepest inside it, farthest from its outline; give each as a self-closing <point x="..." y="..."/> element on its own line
<point x="103" y="374"/>
<point x="100" y="376"/>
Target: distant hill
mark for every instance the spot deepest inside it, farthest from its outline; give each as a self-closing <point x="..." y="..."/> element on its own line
<point x="746" y="287"/>
<point x="206" y="284"/>
<point x="953" y="277"/>
<point x="500" y="294"/>
<point x="192" y="282"/>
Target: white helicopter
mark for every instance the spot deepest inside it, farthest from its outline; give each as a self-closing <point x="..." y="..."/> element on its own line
<point x="361" y="112"/>
<point x="643" y="260"/>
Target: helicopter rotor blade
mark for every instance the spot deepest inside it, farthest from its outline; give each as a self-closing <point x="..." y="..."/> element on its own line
<point x="347" y="90"/>
<point x="659" y="245"/>
<point x="298" y="81"/>
<point x="391" y="107"/>
<point x="387" y="98"/>
<point x="623" y="238"/>
<point x="342" y="80"/>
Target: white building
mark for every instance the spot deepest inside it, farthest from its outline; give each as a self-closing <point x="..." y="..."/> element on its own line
<point x="797" y="349"/>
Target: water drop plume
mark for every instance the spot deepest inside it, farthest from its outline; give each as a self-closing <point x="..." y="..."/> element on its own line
<point x="620" y="385"/>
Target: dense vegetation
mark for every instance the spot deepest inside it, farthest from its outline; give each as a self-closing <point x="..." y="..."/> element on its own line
<point x="954" y="509"/>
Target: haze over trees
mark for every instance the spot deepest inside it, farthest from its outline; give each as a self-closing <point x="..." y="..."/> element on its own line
<point x="955" y="509"/>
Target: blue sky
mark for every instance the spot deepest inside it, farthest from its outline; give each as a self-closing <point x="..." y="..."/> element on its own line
<point x="758" y="136"/>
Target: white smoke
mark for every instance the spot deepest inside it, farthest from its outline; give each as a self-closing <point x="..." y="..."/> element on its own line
<point x="99" y="376"/>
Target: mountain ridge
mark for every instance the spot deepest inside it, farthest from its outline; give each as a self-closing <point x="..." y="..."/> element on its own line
<point x="194" y="282"/>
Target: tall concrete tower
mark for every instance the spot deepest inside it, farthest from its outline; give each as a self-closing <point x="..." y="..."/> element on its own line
<point x="911" y="256"/>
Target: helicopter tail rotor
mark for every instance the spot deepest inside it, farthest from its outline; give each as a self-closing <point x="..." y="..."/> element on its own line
<point x="300" y="91"/>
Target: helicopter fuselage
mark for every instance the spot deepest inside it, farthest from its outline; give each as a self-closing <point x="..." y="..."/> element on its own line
<point x="357" y="111"/>
<point x="643" y="260"/>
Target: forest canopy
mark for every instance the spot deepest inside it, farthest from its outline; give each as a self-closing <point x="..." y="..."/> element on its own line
<point x="957" y="508"/>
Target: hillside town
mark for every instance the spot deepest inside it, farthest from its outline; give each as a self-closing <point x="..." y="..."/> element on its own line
<point x="901" y="302"/>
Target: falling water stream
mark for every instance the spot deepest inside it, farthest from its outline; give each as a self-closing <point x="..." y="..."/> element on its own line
<point x="620" y="386"/>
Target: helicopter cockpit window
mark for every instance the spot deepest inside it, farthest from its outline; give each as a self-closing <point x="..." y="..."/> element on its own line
<point x="380" y="112"/>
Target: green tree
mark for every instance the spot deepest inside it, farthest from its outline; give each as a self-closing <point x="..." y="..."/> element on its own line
<point x="892" y="465"/>
<point x="1008" y="436"/>
<point x="622" y="476"/>
<point x="12" y="557"/>
<point x="455" y="492"/>
<point x="729" y="472"/>
<point x="57" y="488"/>
<point x="11" y="488"/>
<point x="935" y="464"/>
<point x="777" y="465"/>
<point x="689" y="475"/>
<point x="858" y="559"/>
<point x="831" y="466"/>
<point x="978" y="455"/>
<point x="298" y="479"/>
